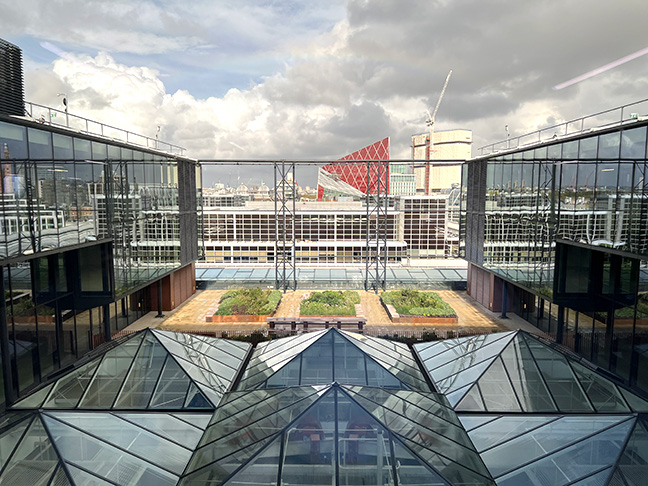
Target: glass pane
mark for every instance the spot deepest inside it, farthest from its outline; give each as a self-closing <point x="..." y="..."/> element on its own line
<point x="269" y="358"/>
<point x="634" y="460"/>
<point x="108" y="379"/>
<point x="143" y="375"/>
<point x="103" y="459"/>
<point x="350" y="363"/>
<point x="309" y="446"/>
<point x="263" y="469"/>
<point x="34" y="458"/>
<point x="217" y="472"/>
<point x="60" y="478"/>
<point x="195" y="399"/>
<point x="546" y="439"/>
<point x="9" y="439"/>
<point x="287" y="376"/>
<point x="559" y="378"/>
<point x="604" y="394"/>
<point x="525" y="377"/>
<point x="363" y="446"/>
<point x="172" y="388"/>
<point x="82" y="477"/>
<point x="411" y="471"/>
<point x="574" y="462"/>
<point x="35" y="400"/>
<point x="127" y="436"/>
<point x="598" y="479"/>
<point x="504" y="429"/>
<point x="472" y="401"/>
<point x="166" y="425"/>
<point x="496" y="389"/>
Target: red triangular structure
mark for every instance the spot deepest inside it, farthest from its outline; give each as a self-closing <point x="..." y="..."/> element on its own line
<point x="356" y="174"/>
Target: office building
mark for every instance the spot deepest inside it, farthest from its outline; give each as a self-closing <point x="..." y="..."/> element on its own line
<point x="557" y="233"/>
<point x="94" y="232"/>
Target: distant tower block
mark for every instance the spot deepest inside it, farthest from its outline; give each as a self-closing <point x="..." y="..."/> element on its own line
<point x="12" y="97"/>
<point x="447" y="145"/>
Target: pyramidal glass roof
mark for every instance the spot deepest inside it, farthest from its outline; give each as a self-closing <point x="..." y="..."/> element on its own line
<point x="84" y="447"/>
<point x="152" y="370"/>
<point x="335" y="434"/>
<point x="516" y="372"/>
<point x="156" y="410"/>
<point x="332" y="355"/>
<point x="592" y="450"/>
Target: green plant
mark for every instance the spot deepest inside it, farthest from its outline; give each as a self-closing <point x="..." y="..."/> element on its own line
<point x="253" y="301"/>
<point x="417" y="303"/>
<point x="330" y="303"/>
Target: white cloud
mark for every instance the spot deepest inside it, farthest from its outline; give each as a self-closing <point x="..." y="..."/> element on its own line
<point x="368" y="76"/>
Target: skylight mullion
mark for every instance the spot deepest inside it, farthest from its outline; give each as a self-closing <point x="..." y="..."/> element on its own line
<point x="18" y="442"/>
<point x="130" y="367"/>
<point x="88" y="471"/>
<point x="151" y="431"/>
<point x="275" y="412"/>
<point x="413" y="405"/>
<point x="566" y="446"/>
<point x="435" y="433"/>
<point x="418" y="423"/>
<point x="528" y="431"/>
<point x="110" y="444"/>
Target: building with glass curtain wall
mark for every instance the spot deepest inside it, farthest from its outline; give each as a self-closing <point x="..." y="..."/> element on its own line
<point x="88" y="229"/>
<point x="94" y="233"/>
<point x="557" y="233"/>
<point x="328" y="407"/>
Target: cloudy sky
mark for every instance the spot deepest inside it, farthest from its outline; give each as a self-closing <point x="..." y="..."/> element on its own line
<point x="321" y="78"/>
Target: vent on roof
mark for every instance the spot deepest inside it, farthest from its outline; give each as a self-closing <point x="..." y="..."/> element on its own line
<point x="12" y="99"/>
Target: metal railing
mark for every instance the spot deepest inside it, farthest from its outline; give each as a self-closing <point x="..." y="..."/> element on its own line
<point x="54" y="117"/>
<point x="613" y="117"/>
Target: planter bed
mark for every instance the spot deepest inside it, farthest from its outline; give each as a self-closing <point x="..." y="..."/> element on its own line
<point x="436" y="311"/>
<point x="246" y="305"/>
<point x="330" y="303"/>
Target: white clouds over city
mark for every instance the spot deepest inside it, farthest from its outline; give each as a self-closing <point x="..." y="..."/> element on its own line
<point x="318" y="79"/>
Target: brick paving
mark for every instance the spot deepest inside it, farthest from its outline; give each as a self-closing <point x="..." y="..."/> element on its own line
<point x="190" y="316"/>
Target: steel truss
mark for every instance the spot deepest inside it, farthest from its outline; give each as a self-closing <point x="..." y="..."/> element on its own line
<point x="285" y="192"/>
<point x="376" y="242"/>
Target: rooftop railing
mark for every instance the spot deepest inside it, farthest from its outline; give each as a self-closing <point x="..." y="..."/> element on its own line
<point x="54" y="117"/>
<point x="620" y="115"/>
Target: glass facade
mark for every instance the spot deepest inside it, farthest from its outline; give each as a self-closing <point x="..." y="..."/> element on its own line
<point x="565" y="224"/>
<point x="147" y="412"/>
<point x="516" y="372"/>
<point x="152" y="370"/>
<point x="86" y="225"/>
<point x="332" y="355"/>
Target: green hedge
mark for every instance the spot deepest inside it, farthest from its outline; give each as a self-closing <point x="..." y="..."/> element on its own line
<point x="416" y="303"/>
<point x="252" y="302"/>
<point x="330" y="303"/>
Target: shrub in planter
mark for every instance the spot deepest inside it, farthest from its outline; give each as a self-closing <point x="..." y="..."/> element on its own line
<point x="416" y="303"/>
<point x="330" y="303"/>
<point x="249" y="302"/>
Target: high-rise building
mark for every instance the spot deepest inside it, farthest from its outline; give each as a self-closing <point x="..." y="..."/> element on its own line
<point x="444" y="146"/>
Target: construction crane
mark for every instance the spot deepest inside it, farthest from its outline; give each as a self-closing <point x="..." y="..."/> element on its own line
<point x="430" y="123"/>
<point x="430" y="120"/>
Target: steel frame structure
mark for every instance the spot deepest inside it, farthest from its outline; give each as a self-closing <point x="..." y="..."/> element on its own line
<point x="376" y="242"/>
<point x="284" y="202"/>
